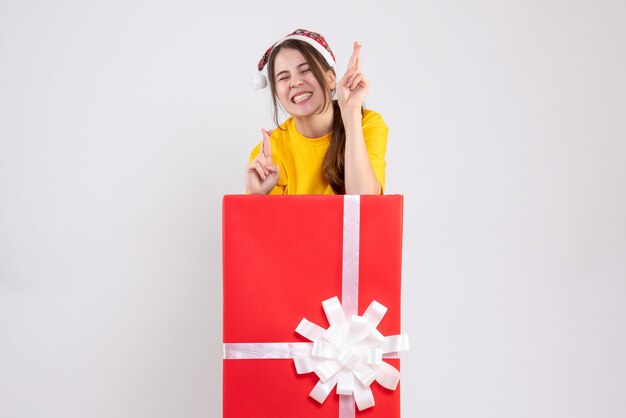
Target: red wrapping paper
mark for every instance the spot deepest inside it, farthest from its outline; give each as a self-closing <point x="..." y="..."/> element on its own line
<point x="282" y="256"/>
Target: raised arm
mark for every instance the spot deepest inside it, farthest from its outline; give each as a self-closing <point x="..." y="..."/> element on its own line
<point x="351" y="92"/>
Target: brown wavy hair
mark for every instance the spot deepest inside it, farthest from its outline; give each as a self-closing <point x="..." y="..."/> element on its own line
<point x="334" y="159"/>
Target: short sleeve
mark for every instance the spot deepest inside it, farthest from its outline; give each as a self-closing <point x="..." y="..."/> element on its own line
<point x="375" y="132"/>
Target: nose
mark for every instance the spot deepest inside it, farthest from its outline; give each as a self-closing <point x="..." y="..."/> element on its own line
<point x="295" y="82"/>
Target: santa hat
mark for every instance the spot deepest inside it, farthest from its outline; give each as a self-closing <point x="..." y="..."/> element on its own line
<point x="259" y="81"/>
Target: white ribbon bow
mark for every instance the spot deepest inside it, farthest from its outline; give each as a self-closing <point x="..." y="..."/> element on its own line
<point x="349" y="354"/>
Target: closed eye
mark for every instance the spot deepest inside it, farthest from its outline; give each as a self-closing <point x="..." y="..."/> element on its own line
<point x="284" y="75"/>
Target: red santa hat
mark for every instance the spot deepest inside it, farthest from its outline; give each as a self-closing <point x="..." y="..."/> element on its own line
<point x="259" y="81"/>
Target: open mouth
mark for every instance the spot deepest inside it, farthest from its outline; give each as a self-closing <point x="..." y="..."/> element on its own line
<point x="301" y="97"/>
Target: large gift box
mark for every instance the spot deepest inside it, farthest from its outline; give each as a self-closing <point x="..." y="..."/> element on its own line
<point x="312" y="306"/>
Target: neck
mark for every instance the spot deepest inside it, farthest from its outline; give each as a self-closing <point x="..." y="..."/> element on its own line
<point x="316" y="125"/>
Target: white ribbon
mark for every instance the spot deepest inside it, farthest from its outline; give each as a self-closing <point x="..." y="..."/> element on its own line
<point x="349" y="353"/>
<point x="243" y="351"/>
<point x="350" y="257"/>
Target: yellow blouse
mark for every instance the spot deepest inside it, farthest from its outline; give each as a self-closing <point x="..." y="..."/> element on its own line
<point x="300" y="158"/>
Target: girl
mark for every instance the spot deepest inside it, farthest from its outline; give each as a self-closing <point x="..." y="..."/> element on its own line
<point x="327" y="146"/>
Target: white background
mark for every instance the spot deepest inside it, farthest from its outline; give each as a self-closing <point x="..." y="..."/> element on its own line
<point x="122" y="124"/>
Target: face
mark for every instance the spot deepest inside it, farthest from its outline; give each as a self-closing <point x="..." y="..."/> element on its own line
<point x="297" y="89"/>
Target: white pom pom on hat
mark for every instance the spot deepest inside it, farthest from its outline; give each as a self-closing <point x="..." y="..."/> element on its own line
<point x="259" y="81"/>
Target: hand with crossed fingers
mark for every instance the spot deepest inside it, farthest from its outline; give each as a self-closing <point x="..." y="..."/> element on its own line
<point x="262" y="174"/>
<point x="353" y="87"/>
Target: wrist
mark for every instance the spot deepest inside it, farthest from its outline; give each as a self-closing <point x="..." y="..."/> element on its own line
<point x="351" y="113"/>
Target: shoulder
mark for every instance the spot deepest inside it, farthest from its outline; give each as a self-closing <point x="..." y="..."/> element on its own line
<point x="372" y="119"/>
<point x="374" y="127"/>
<point x="280" y="135"/>
<point x="279" y="140"/>
<point x="283" y="129"/>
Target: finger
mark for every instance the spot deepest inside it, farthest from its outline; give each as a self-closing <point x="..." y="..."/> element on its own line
<point x="267" y="147"/>
<point x="273" y="168"/>
<point x="359" y="81"/>
<point x="351" y="80"/>
<point x="260" y="157"/>
<point x="260" y="170"/>
<point x="264" y="165"/>
<point x="254" y="167"/>
<point x="354" y="59"/>
<point x="345" y="80"/>
<point x="262" y="148"/>
<point x="364" y="83"/>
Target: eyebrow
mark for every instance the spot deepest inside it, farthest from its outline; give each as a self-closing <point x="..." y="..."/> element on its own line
<point x="285" y="71"/>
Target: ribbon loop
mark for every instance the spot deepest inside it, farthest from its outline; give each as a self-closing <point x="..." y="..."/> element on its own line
<point x="328" y="369"/>
<point x="334" y="312"/>
<point x="374" y="313"/>
<point x="309" y="330"/>
<point x="358" y="329"/>
<point x="345" y="383"/>
<point x="363" y="396"/>
<point x="335" y="335"/>
<point x="322" y="349"/>
<point x="321" y="390"/>
<point x="375" y="338"/>
<point x="387" y="376"/>
<point x="374" y="356"/>
<point x="305" y="364"/>
<point x="395" y="343"/>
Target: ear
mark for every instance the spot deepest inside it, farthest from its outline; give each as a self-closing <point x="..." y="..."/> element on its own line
<point x="331" y="79"/>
